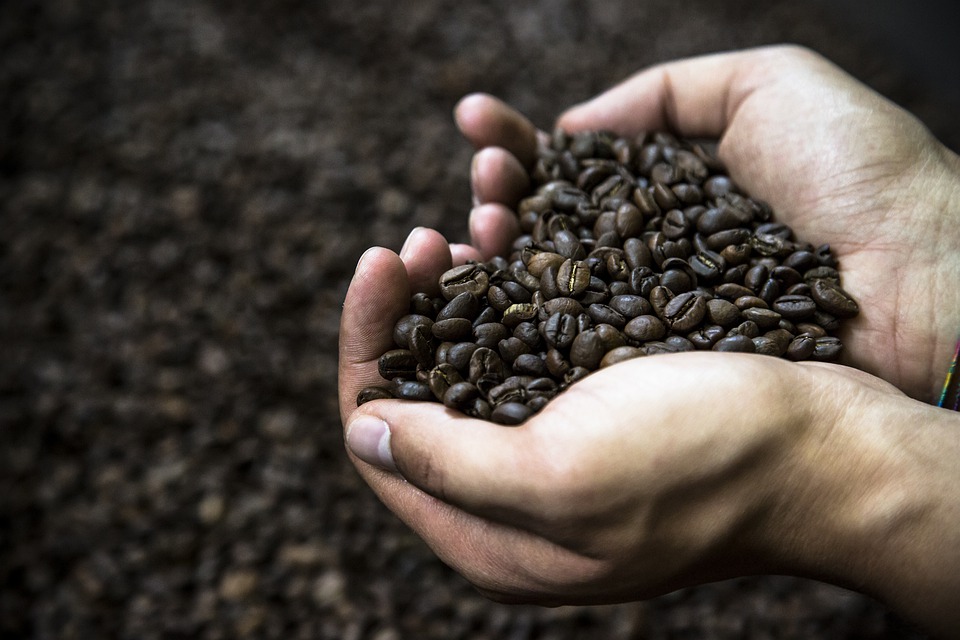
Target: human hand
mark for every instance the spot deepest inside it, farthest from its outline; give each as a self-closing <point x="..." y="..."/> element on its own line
<point x="837" y="162"/>
<point x="660" y="472"/>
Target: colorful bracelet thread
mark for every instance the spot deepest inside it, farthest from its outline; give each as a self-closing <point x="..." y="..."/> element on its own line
<point x="950" y="397"/>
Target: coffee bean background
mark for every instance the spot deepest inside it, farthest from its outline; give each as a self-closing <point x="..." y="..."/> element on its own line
<point x="184" y="191"/>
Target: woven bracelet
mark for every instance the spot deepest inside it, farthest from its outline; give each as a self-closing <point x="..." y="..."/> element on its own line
<point x="950" y="396"/>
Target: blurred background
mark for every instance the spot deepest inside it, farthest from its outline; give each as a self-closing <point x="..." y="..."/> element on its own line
<point x="185" y="188"/>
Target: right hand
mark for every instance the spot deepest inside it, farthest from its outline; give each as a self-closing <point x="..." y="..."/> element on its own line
<point x="836" y="161"/>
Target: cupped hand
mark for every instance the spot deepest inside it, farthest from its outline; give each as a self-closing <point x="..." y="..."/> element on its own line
<point x="838" y="163"/>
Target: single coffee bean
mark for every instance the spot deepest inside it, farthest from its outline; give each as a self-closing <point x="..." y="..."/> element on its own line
<point x="403" y="327"/>
<point x="723" y="312"/>
<point x="510" y="413"/>
<point x="786" y="276"/>
<point x="679" y="343"/>
<point x="467" y="277"/>
<point x="488" y="314"/>
<point x="556" y="363"/>
<point x="459" y="354"/>
<point x="801" y="348"/>
<point x="490" y="333"/>
<point x="708" y="265"/>
<point x="397" y="363"/>
<point x="421" y="304"/>
<point x="421" y="345"/>
<point x="620" y="354"/>
<point x="826" y="348"/>
<point x="764" y="318"/>
<point x="539" y="261"/>
<point x="732" y="291"/>
<point x="603" y="314"/>
<point x="368" y="394"/>
<point x="454" y="329"/>
<point x="529" y="333"/>
<point x="767" y="346"/>
<point x="826" y="320"/>
<point x="510" y="390"/>
<point x="529" y="364"/>
<point x="811" y="328"/>
<point x="610" y="336"/>
<point x="586" y="350"/>
<point x="517" y="313"/>
<point x="630" y="306"/>
<point x="736" y="343"/>
<point x="512" y="347"/>
<point x="412" y="390"/>
<point x="441" y="378"/>
<point x="794" y="307"/>
<point x="645" y="327"/>
<point x="706" y="337"/>
<point x="575" y="374"/>
<point x="485" y="361"/>
<point x="659" y="298"/>
<point x="478" y="408"/>
<point x="573" y="277"/>
<point x="463" y="305"/>
<point x="685" y="311"/>
<point x="459" y="394"/>
<point x="831" y="297"/>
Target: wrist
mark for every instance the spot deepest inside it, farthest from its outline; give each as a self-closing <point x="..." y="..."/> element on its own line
<point x="872" y="504"/>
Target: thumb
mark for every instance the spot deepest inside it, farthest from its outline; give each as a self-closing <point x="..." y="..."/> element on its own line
<point x="481" y="467"/>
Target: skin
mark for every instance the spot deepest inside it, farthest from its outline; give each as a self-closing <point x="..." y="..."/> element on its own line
<point x="664" y="472"/>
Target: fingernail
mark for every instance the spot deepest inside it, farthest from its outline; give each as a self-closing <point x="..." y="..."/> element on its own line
<point x="369" y="439"/>
<point x="408" y="242"/>
<point x="473" y="180"/>
<point x="363" y="257"/>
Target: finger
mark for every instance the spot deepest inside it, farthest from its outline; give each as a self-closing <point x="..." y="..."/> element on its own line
<point x="463" y="253"/>
<point x="488" y="122"/>
<point x="475" y="465"/>
<point x="378" y="295"/>
<point x="493" y="228"/>
<point x="497" y="176"/>
<point x="693" y="97"/>
<point x="426" y="255"/>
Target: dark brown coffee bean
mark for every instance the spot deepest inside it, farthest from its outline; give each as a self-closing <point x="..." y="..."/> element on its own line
<point x="659" y="298"/>
<point x="603" y="314"/>
<point x="421" y="345"/>
<point x="510" y="413"/>
<point x="645" y="327"/>
<point x="636" y="253"/>
<point x="538" y="261"/>
<point x="764" y="318"/>
<point x="459" y="355"/>
<point x="563" y="305"/>
<point x="403" y="327"/>
<point x="767" y="346"/>
<point x="675" y="224"/>
<point x="610" y="336"/>
<point x="826" y="320"/>
<point x="722" y="239"/>
<point x="821" y="273"/>
<point x="658" y="347"/>
<point x="573" y="278"/>
<point x="767" y="244"/>
<point x="717" y="219"/>
<point x="630" y="306"/>
<point x="684" y="312"/>
<point x="708" y="266"/>
<point x="794" y="307"/>
<point x="831" y="297"/>
<point x="468" y="277"/>
<point x="620" y="354"/>
<point x="485" y="361"/>
<point x="663" y="195"/>
<point x="718" y="186"/>
<point x="478" y="408"/>
<point x="422" y="304"/>
<point x="732" y="291"/>
<point x="782" y="337"/>
<point x="801" y="348"/>
<point x="498" y="298"/>
<point x="529" y="364"/>
<point x="397" y="363"/>
<point x="556" y="363"/>
<point x="586" y="350"/>
<point x="463" y="305"/>
<point x="412" y="390"/>
<point x="460" y="394"/>
<point x="453" y="329"/>
<point x="510" y="348"/>
<point x="770" y="291"/>
<point x="677" y="280"/>
<point x="679" y="343"/>
<point x="786" y="276"/>
<point x="737" y="254"/>
<point x="812" y="329"/>
<point x="441" y="378"/>
<point x="750" y="301"/>
<point x="560" y="329"/>
<point x="735" y="343"/>
<point x="529" y="333"/>
<point x="707" y="336"/>
<point x="723" y="312"/>
<point x="826" y="348"/>
<point x="369" y="394"/>
<point x="490" y="333"/>
<point x="517" y="313"/>
<point x="746" y="328"/>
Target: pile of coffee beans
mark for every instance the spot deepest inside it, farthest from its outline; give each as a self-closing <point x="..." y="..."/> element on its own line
<point x="629" y="248"/>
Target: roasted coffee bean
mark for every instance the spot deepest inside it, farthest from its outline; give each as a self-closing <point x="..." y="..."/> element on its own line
<point x="767" y="346"/>
<point x="811" y="328"/>
<point x="717" y="219"/>
<point x="510" y="390"/>
<point x="463" y="305"/>
<point x="707" y="336"/>
<point x="645" y="327"/>
<point x="563" y="305"/>
<point x="659" y="298"/>
<point x="826" y="320"/>
<point x="529" y="364"/>
<point x="560" y="329"/>
<point x="770" y="291"/>
<point x="573" y="278"/>
<point x="801" y="347"/>
<point x="723" y="312"/>
<point x="821" y="273"/>
<point x="478" y="408"/>
<point x="658" y="347"/>
<point x="421" y="345"/>
<point x="368" y="394"/>
<point x="603" y="314"/>
<point x="556" y="363"/>
<point x="643" y="280"/>
<point x="718" y="186"/>
<point x="620" y="354"/>
<point x="738" y="343"/>
<point x="586" y="350"/>
<point x="575" y="374"/>
<point x="764" y="318"/>
<point x="459" y="354"/>
<point x="685" y="311"/>
<point x="679" y="343"/>
<point x="517" y="313"/>
<point x="746" y="328"/>
<point x="637" y="254"/>
<point x="610" y="336"/>
<point x="485" y="361"/>
<point x="708" y="266"/>
<point x="412" y="390"/>
<point x="441" y="378"/>
<point x="748" y="302"/>
<point x="630" y="306"/>
<point x="397" y="363"/>
<point x="510" y="348"/>
<point x="794" y="307"/>
<point x="468" y="277"/>
<point x="510" y="413"/>
<point x="454" y="329"/>
<point x="403" y="327"/>
<point x="826" y="348"/>
<point x="490" y="333"/>
<point x="830" y="297"/>
<point x="782" y="337"/>
<point x="460" y="394"/>
<point x="422" y="304"/>
<point x="675" y="224"/>
<point x="529" y="333"/>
